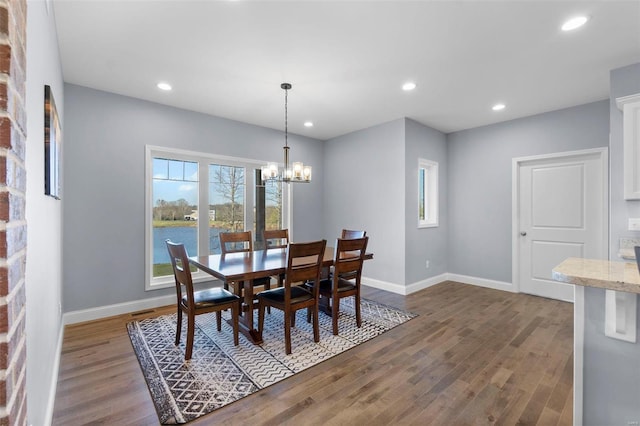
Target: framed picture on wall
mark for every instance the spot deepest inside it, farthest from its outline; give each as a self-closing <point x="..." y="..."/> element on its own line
<point x="52" y="140"/>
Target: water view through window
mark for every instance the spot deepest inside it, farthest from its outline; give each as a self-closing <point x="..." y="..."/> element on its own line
<point x="176" y="212"/>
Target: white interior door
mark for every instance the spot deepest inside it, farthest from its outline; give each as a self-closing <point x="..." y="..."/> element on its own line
<point x="561" y="213"/>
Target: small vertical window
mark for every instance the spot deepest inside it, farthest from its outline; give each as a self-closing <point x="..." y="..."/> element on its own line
<point x="427" y="193"/>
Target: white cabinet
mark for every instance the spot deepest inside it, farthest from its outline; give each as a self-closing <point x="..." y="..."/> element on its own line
<point x="630" y="106"/>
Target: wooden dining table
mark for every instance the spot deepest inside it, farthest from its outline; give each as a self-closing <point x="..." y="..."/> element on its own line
<point x="244" y="267"/>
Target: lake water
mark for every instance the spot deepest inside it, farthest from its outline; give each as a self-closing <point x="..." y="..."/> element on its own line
<point x="181" y="234"/>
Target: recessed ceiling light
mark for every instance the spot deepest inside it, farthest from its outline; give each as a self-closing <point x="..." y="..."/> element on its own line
<point x="408" y="86"/>
<point x="575" y="22"/>
<point x="164" y="86"/>
<point x="498" y="107"/>
<point x="308" y="124"/>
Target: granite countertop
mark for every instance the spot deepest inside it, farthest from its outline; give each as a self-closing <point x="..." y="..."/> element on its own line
<point x="619" y="276"/>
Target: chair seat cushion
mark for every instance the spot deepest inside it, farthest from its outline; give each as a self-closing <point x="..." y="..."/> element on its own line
<point x="211" y="297"/>
<point x="343" y="285"/>
<point x="298" y="294"/>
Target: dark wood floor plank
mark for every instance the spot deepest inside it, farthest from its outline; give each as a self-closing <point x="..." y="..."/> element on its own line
<point x="472" y="356"/>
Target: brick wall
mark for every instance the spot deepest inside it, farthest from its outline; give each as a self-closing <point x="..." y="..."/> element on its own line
<point x="13" y="229"/>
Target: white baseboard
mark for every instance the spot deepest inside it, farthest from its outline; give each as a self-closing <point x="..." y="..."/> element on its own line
<point x="53" y="377"/>
<point x="155" y="302"/>
<point x="117" y="309"/>
<point x="421" y="285"/>
<point x="402" y="289"/>
<point x="482" y="282"/>
<point x="384" y="285"/>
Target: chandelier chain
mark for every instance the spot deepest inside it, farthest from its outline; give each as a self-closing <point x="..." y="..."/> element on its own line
<point x="286" y="115"/>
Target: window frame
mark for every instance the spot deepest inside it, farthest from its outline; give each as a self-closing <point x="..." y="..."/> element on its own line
<point x="429" y="193"/>
<point x="203" y="160"/>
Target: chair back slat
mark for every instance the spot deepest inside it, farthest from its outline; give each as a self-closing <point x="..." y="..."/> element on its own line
<point x="235" y="242"/>
<point x="304" y="262"/>
<point x="181" y="270"/>
<point x="348" y="234"/>
<point x="349" y="257"/>
<point x="276" y="238"/>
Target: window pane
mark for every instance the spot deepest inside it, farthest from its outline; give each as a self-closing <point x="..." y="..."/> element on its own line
<point x="421" y="191"/>
<point x="273" y="205"/>
<point x="226" y="202"/>
<point x="175" y="214"/>
<point x="427" y="193"/>
<point x="160" y="168"/>
<point x="268" y="208"/>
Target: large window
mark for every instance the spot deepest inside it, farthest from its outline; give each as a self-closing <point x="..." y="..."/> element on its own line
<point x="427" y="193"/>
<point x="192" y="197"/>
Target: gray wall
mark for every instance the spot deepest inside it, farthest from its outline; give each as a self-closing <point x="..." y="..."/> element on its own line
<point x="425" y="243"/>
<point x="43" y="274"/>
<point x="479" y="180"/>
<point x="611" y="373"/>
<point x="103" y="225"/>
<point x="364" y="189"/>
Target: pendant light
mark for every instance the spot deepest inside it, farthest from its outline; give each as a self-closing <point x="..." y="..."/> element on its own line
<point x="297" y="172"/>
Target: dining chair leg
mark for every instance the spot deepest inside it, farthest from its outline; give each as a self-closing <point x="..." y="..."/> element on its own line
<point x="260" y="316"/>
<point x="267" y="286"/>
<point x="335" y="307"/>
<point x="237" y="290"/>
<point x="219" y="320"/>
<point x="234" y="316"/>
<point x="179" y="326"/>
<point x="293" y="318"/>
<point x="191" y="325"/>
<point x="358" y="316"/>
<point x="316" y="325"/>
<point x="287" y="331"/>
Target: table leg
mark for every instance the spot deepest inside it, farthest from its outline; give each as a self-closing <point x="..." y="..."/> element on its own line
<point x="324" y="305"/>
<point x="248" y="300"/>
<point x="245" y="322"/>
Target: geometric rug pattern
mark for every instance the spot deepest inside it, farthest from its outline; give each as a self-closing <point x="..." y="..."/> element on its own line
<point x="220" y="373"/>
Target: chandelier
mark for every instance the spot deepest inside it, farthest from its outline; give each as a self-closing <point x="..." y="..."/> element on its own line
<point x="297" y="172"/>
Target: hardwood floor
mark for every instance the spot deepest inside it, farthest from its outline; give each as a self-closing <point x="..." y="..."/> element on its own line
<point x="473" y="356"/>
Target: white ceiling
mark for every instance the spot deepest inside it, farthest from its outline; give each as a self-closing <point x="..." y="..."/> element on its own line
<point x="347" y="60"/>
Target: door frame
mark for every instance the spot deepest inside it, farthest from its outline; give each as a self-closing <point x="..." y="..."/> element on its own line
<point x="578" y="299"/>
<point x="517" y="163"/>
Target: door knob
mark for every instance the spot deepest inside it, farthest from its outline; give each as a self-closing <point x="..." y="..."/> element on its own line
<point x="523" y="233"/>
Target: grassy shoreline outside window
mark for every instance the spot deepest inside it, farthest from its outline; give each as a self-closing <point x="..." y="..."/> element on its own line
<point x="191" y="197"/>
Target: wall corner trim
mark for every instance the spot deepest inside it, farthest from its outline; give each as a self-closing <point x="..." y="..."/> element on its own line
<point x="53" y="378"/>
<point x="385" y="285"/>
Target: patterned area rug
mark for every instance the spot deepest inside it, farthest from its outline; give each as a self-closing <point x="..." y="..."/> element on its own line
<point x="220" y="373"/>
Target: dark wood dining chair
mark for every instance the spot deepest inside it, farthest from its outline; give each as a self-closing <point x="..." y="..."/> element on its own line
<point x="304" y="261"/>
<point x="235" y="242"/>
<point x="348" y="234"/>
<point x="194" y="303"/>
<point x="241" y="242"/>
<point x="347" y="272"/>
<point x="276" y="239"/>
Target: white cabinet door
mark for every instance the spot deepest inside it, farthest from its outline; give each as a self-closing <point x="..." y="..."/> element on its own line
<point x="630" y="106"/>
